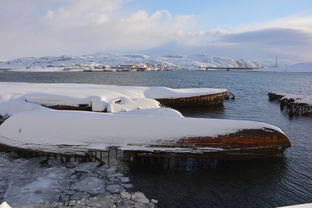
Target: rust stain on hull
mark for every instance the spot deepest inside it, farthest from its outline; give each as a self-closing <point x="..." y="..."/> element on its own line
<point x="246" y="144"/>
<point x="69" y="107"/>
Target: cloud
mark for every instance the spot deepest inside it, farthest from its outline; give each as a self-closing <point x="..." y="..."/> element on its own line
<point x="79" y="26"/>
<point x="290" y="39"/>
<point x="73" y="27"/>
<point x="303" y="23"/>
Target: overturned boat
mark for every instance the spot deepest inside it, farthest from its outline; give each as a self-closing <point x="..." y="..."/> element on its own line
<point x="55" y="118"/>
<point x="91" y="97"/>
<point x="156" y="132"/>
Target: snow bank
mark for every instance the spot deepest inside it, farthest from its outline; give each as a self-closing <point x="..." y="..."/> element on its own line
<point x="51" y="99"/>
<point x="13" y="106"/>
<point x="159" y="112"/>
<point x="42" y="129"/>
<point x="126" y="104"/>
<point x="4" y="205"/>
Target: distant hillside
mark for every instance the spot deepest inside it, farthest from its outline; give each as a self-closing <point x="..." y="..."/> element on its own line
<point x="300" y="67"/>
<point x="168" y="62"/>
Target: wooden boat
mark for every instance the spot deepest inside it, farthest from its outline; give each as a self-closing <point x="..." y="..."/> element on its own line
<point x="194" y="101"/>
<point x="78" y="133"/>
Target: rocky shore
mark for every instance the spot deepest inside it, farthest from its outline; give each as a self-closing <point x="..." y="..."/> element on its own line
<point x="43" y="182"/>
<point x="122" y="200"/>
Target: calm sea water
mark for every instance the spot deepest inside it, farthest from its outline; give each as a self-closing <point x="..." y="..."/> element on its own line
<point x="257" y="183"/>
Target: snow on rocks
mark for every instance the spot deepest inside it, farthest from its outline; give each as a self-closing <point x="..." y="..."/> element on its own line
<point x="122" y="200"/>
<point x="29" y="182"/>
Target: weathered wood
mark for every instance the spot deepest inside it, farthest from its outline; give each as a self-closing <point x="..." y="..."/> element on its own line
<point x="246" y="144"/>
<point x="292" y="106"/>
<point x="81" y="107"/>
<point x="195" y="101"/>
<point x="275" y="96"/>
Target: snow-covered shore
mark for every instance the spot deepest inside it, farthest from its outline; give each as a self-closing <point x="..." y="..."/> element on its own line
<point x="45" y="182"/>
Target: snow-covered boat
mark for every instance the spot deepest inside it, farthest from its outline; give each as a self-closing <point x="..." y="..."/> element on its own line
<point x="134" y="121"/>
<point x="154" y="131"/>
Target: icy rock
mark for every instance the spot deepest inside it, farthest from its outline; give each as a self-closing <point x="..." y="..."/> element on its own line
<point x="126" y="185"/>
<point x="90" y="184"/>
<point x="125" y="203"/>
<point x="125" y="195"/>
<point x="154" y="201"/>
<point x="53" y="162"/>
<point x="71" y="164"/>
<point x="37" y="190"/>
<point x="139" y="197"/>
<point x="115" y="175"/>
<point x="150" y="205"/>
<point x="4" y="162"/>
<point x="124" y="179"/>
<point x="111" y="169"/>
<point x="114" y="179"/>
<point x="114" y="188"/>
<point x="79" y="195"/>
<point x="86" y="167"/>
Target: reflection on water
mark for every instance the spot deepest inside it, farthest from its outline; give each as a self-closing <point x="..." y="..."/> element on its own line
<point x="208" y="112"/>
<point x="211" y="183"/>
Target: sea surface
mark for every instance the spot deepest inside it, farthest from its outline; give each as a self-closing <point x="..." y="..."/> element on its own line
<point x="281" y="181"/>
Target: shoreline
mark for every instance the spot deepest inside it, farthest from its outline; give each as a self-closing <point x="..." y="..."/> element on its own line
<point x="45" y="182"/>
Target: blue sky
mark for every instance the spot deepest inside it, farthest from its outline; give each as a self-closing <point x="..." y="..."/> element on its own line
<point x="257" y="30"/>
<point x="226" y="13"/>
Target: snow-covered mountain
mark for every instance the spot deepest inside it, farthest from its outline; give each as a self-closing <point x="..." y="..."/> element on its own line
<point x="167" y="62"/>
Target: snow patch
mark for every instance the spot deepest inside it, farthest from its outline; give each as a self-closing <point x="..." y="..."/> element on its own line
<point x="124" y="104"/>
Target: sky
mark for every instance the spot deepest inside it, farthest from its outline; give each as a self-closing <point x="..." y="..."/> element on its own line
<point x="258" y="30"/>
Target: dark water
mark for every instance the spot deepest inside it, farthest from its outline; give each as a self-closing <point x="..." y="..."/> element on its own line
<point x="258" y="183"/>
